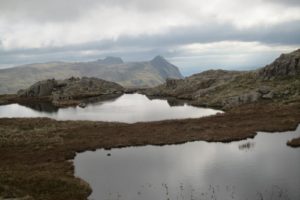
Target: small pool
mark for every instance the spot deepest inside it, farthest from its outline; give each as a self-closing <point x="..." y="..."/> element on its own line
<point x="253" y="169"/>
<point x="128" y="108"/>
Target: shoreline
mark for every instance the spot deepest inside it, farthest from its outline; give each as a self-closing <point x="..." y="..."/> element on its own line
<point x="294" y="142"/>
<point x="35" y="152"/>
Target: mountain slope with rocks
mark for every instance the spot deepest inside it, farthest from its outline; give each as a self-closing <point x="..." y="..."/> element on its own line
<point x="287" y="65"/>
<point x="278" y="81"/>
<point x="131" y="74"/>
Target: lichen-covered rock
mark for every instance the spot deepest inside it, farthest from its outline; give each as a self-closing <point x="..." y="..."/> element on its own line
<point x="195" y="85"/>
<point x="72" y="90"/>
<point x="269" y="95"/>
<point x="285" y="65"/>
<point x="39" y="89"/>
<point x="242" y="99"/>
<point x="76" y="88"/>
<point x="172" y="83"/>
<point x="264" y="89"/>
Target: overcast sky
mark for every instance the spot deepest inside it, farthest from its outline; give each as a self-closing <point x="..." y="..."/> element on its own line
<point x="193" y="34"/>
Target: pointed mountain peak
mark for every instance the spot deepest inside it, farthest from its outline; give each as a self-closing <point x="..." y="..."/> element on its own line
<point x="165" y="69"/>
<point x="110" y="60"/>
<point x="159" y="61"/>
<point x="159" y="58"/>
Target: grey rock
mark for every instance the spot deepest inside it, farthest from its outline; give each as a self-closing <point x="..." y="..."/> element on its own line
<point x="231" y="102"/>
<point x="82" y="105"/>
<point x="172" y="83"/>
<point x="270" y="95"/>
<point x="285" y="65"/>
<point x="250" y="97"/>
<point x="71" y="89"/>
<point x="242" y="99"/>
<point x="195" y="86"/>
<point x="264" y="89"/>
<point x="39" y="89"/>
<point x="286" y="92"/>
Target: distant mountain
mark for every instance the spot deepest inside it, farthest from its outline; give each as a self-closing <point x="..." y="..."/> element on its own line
<point x="131" y="74"/>
<point x="110" y="61"/>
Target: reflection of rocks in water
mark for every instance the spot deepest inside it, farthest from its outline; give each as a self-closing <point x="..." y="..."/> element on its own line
<point x="42" y="107"/>
<point x="175" y="102"/>
<point x="171" y="100"/>
<point x="98" y="99"/>
<point x="246" y="146"/>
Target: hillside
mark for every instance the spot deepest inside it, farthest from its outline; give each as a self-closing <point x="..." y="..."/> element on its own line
<point x="132" y="74"/>
<point x="278" y="81"/>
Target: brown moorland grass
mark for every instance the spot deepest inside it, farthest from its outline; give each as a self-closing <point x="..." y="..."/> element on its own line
<point x="35" y="153"/>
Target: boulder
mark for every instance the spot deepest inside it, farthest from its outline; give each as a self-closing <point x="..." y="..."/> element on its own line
<point x="270" y="95"/>
<point x="171" y="83"/>
<point x="39" y="89"/>
<point x="264" y="89"/>
<point x="249" y="97"/>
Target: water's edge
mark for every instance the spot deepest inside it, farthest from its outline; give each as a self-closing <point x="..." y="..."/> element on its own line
<point x="184" y="143"/>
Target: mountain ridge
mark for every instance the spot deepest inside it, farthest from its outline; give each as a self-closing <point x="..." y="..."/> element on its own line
<point x="128" y="74"/>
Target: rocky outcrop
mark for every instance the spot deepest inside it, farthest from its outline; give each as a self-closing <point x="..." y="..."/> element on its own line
<point x="249" y="97"/>
<point x="39" y="89"/>
<point x="72" y="90"/>
<point x="172" y="83"/>
<point x="285" y="65"/>
<point x="279" y="81"/>
<point x="195" y="86"/>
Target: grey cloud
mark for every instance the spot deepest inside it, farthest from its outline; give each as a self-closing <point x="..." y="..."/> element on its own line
<point x="147" y="46"/>
<point x="133" y="47"/>
<point x="286" y="2"/>
<point x="45" y="10"/>
<point x="284" y="34"/>
<point x="70" y="10"/>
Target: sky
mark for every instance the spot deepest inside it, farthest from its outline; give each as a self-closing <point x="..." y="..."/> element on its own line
<point x="195" y="35"/>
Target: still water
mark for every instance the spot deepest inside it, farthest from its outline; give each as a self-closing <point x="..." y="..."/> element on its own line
<point x="260" y="168"/>
<point x="128" y="108"/>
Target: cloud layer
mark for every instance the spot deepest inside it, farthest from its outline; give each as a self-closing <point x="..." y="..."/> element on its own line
<point x="187" y="32"/>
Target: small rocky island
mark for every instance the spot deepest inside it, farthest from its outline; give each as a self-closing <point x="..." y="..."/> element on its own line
<point x="72" y="91"/>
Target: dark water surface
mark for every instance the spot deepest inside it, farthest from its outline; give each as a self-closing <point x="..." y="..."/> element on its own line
<point x="260" y="168"/>
<point x="128" y="108"/>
